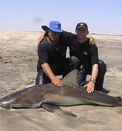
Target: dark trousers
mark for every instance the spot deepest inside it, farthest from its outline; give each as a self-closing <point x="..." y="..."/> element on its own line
<point x="82" y="74"/>
<point x="63" y="69"/>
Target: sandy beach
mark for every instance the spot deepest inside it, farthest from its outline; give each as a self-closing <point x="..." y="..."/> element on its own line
<point x="18" y="61"/>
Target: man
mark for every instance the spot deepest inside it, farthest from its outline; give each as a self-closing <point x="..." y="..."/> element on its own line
<point x="52" y="56"/>
<point x="89" y="62"/>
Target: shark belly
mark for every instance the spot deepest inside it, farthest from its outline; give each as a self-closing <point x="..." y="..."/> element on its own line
<point x="63" y="100"/>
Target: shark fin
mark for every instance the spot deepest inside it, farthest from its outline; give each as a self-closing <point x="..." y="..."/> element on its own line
<point x="56" y="109"/>
<point x="70" y="78"/>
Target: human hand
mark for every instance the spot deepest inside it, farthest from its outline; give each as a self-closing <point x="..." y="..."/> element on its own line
<point x="92" y="40"/>
<point x="90" y="86"/>
<point x="56" y="81"/>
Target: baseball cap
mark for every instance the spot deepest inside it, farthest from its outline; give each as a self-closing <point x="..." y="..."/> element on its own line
<point x="81" y="25"/>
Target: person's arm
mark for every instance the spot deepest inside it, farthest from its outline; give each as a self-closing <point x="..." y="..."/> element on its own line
<point x="94" y="72"/>
<point x="94" y="61"/>
<point x="92" y="40"/>
<point x="47" y="70"/>
<point x="91" y="84"/>
<point x="43" y="63"/>
<point x="70" y="35"/>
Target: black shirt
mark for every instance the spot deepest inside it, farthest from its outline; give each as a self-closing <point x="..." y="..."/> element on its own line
<point x="86" y="52"/>
<point x="50" y="54"/>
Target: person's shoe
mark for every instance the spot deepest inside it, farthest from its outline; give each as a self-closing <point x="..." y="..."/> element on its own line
<point x="104" y="91"/>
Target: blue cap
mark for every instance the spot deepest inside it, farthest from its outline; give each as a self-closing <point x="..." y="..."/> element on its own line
<point x="54" y="26"/>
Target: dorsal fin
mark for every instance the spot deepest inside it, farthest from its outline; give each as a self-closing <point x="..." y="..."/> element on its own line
<point x="70" y="78"/>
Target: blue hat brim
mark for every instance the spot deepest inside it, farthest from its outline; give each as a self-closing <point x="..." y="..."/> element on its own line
<point x="45" y="28"/>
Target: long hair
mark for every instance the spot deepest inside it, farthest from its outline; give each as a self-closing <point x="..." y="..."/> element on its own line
<point x="46" y="33"/>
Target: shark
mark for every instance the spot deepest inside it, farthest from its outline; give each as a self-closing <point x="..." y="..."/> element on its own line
<point x="51" y="97"/>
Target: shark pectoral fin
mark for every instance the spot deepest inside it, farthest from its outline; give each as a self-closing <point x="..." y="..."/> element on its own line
<point x="49" y="107"/>
<point x="57" y="109"/>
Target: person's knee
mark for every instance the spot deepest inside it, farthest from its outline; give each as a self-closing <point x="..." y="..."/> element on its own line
<point x="39" y="78"/>
<point x="102" y="66"/>
<point x="81" y="77"/>
<point x="80" y="83"/>
<point x="74" y="60"/>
